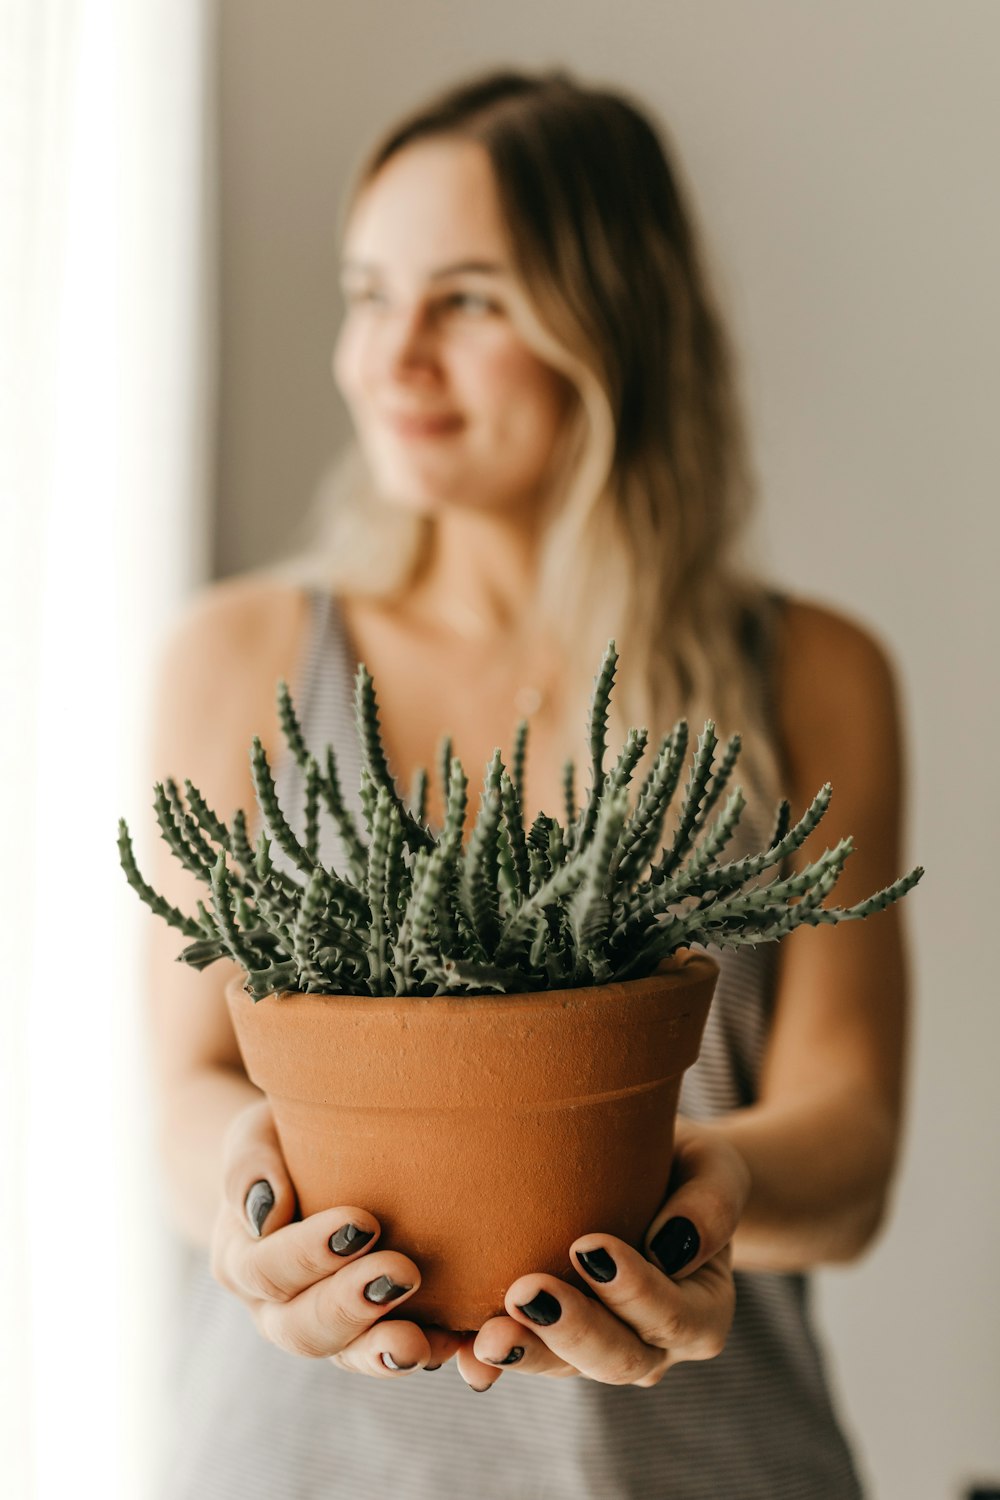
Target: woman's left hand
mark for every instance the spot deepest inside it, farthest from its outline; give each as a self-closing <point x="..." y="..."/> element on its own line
<point x="648" y="1313"/>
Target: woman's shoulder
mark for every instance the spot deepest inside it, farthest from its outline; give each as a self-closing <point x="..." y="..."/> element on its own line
<point x="836" y="687"/>
<point x="236" y="636"/>
<point x="221" y="658"/>
<point x="238" y="615"/>
<point x="815" y="637"/>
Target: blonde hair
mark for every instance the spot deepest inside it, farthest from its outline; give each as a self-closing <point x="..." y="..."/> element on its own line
<point x="648" y="517"/>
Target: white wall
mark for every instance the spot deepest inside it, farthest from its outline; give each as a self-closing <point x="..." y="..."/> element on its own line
<point x="844" y="161"/>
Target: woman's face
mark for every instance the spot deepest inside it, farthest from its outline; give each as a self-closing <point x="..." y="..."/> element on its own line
<point x="451" y="406"/>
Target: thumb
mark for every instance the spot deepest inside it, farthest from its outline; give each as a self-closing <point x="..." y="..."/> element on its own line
<point x="710" y="1186"/>
<point x="256" y="1181"/>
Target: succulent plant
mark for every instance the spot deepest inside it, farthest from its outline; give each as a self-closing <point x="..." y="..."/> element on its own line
<point x="589" y="900"/>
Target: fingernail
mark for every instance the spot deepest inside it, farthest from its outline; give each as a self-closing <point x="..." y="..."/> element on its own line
<point x="391" y="1364"/>
<point x="431" y="1367"/>
<point x="510" y="1359"/>
<point x="259" y="1202"/>
<point x="598" y="1264"/>
<point x="543" y="1309"/>
<point x="481" y="1389"/>
<point x="348" y="1238"/>
<point x="675" y="1244"/>
<point x="384" y="1289"/>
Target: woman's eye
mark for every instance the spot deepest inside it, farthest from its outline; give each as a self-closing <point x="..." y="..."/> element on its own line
<point x="474" y="303"/>
<point x="361" y="296"/>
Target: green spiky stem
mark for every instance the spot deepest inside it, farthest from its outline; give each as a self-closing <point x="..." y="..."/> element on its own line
<point x="377" y="865"/>
<point x="515" y="832"/>
<point x="508" y="883"/>
<point x="210" y="822"/>
<point x="357" y="853"/>
<point x="156" y="903"/>
<point x="782" y="823"/>
<point x="479" y="892"/>
<point x="239" y="846"/>
<point x="274" y="819"/>
<point x="718" y="836"/>
<point x="418" y="795"/>
<point x="290" y="726"/>
<point x="562" y="882"/>
<point x="737" y="872"/>
<point x="312" y="808"/>
<point x="570" y="809"/>
<point x="239" y="948"/>
<point x="629" y="757"/>
<point x="590" y="908"/>
<point x="720" y="779"/>
<point x="517" y="759"/>
<point x="455" y="812"/>
<point x="644" y="830"/>
<point x="190" y="826"/>
<point x="370" y="735"/>
<point x="598" y="737"/>
<point x="691" y="807"/>
<point x="174" y="835"/>
<point x="775" y="894"/>
<point x="307" y="933"/>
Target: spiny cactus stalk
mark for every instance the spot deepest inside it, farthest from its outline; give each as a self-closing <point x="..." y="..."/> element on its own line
<point x="591" y="900"/>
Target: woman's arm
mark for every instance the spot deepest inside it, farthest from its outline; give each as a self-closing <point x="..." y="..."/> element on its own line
<point x="318" y="1286"/>
<point x="215" y="689"/>
<point x="822" y="1140"/>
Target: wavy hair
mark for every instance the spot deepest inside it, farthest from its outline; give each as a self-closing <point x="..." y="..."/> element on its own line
<point x="646" y="543"/>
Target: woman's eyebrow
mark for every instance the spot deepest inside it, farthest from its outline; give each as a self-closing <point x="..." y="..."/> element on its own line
<point x="481" y="267"/>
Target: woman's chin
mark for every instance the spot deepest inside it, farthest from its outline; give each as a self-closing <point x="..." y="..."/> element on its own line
<point x="428" y="500"/>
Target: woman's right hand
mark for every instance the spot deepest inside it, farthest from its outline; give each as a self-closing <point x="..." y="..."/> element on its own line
<point x="313" y="1286"/>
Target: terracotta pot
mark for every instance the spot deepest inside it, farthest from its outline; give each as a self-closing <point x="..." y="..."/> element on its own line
<point x="485" y="1132"/>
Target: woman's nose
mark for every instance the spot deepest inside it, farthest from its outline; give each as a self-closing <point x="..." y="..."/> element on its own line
<point x="409" y="343"/>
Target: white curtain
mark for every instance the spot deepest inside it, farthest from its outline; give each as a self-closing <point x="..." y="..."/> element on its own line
<point x="105" y="405"/>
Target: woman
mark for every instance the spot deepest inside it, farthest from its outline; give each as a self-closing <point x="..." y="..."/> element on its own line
<point x="550" y="455"/>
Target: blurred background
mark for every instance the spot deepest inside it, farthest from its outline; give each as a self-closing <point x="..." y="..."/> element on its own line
<point x="170" y="174"/>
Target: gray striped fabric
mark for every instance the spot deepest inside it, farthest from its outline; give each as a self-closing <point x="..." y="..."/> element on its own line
<point x="253" y="1423"/>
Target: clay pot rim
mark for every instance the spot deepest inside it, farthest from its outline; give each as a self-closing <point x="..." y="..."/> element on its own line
<point x="678" y="970"/>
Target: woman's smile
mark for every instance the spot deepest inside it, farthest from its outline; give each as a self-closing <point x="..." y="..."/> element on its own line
<point x="418" y="427"/>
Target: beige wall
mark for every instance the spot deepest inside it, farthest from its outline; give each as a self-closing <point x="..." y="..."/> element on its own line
<point x="844" y="161"/>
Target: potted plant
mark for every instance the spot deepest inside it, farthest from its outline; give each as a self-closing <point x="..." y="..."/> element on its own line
<point x="518" y="1009"/>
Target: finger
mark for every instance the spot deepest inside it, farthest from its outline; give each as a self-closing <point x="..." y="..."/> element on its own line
<point x="504" y="1344"/>
<point x="327" y="1316"/>
<point x="477" y="1376"/>
<point x="444" y="1344"/>
<point x="583" y="1333"/>
<point x="711" y="1184"/>
<point x="282" y="1264"/>
<point x="255" y="1179"/>
<point x="386" y="1351"/>
<point x="688" y="1320"/>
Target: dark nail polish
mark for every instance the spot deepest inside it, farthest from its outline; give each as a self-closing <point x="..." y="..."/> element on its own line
<point x="675" y="1245"/>
<point x="348" y="1238"/>
<point x="384" y="1289"/>
<point x="259" y="1202"/>
<point x="543" y="1309"/>
<point x="391" y="1364"/>
<point x="510" y="1359"/>
<point x="431" y="1367"/>
<point x="481" y="1389"/>
<point x="597" y="1264"/>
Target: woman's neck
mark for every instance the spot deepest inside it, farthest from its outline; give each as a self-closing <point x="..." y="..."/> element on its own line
<point x="480" y="577"/>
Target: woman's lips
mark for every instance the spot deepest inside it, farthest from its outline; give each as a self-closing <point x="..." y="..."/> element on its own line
<point x="423" y="427"/>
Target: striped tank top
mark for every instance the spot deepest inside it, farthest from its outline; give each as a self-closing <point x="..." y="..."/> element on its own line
<point x="252" y="1422"/>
